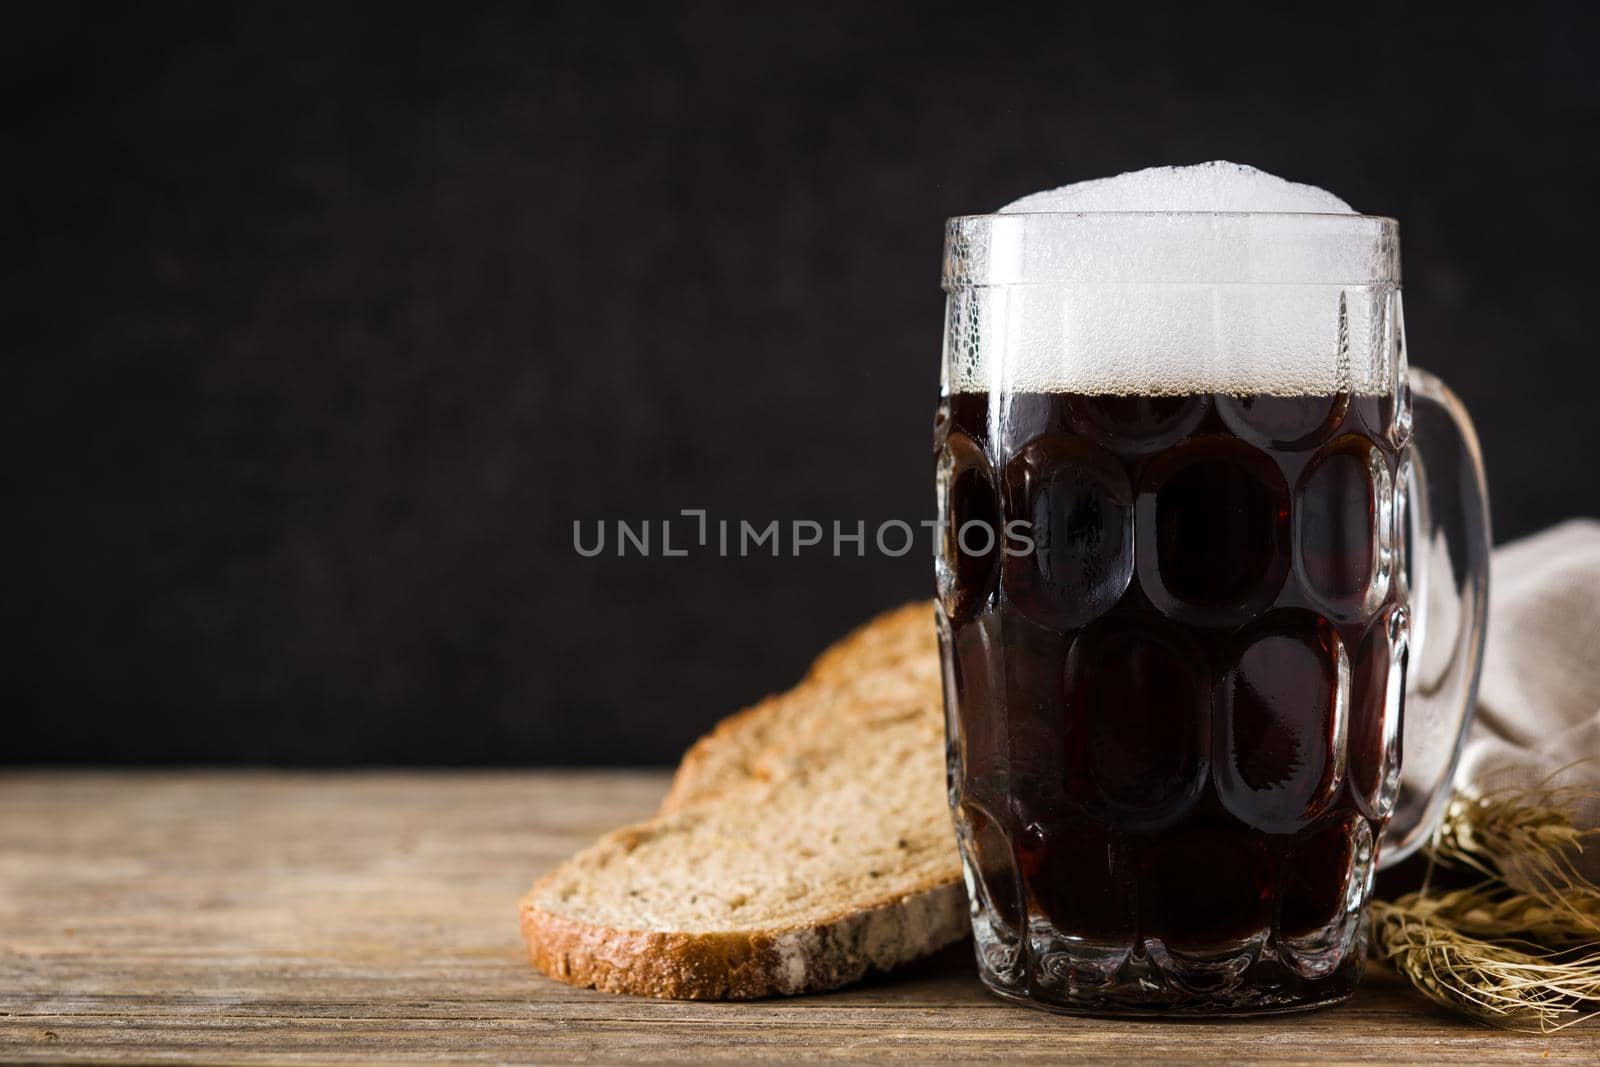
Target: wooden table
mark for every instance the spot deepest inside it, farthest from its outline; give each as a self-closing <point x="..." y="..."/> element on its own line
<point x="271" y="917"/>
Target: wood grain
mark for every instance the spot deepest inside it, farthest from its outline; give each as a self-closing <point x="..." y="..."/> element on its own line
<point x="321" y="918"/>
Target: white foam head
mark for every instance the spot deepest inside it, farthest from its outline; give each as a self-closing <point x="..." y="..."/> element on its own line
<point x="1212" y="278"/>
<point x="1216" y="186"/>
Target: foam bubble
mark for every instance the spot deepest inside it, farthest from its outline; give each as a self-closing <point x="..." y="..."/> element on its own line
<point x="1215" y="186"/>
<point x="1214" y="278"/>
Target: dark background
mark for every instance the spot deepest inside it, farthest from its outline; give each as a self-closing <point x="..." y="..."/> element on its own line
<point x="324" y="322"/>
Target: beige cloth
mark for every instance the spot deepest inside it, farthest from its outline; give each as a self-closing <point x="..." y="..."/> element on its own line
<point x="1538" y="715"/>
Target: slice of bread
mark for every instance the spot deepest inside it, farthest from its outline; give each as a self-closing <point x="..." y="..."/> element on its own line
<point x="804" y="841"/>
<point x="885" y="670"/>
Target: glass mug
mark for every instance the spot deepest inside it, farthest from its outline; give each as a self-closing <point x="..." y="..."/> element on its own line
<point x="1229" y="534"/>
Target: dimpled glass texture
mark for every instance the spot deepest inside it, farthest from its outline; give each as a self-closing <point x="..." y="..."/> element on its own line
<point x="1174" y="723"/>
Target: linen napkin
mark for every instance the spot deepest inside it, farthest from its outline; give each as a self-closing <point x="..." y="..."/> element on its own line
<point x="1538" y="719"/>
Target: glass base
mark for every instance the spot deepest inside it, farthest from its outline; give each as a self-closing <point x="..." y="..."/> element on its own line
<point x="1154" y="983"/>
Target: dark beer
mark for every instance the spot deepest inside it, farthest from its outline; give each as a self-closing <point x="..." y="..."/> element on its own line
<point x="1175" y="719"/>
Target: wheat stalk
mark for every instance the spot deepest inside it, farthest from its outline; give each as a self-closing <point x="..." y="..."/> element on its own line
<point x="1502" y="955"/>
<point x="1490" y="980"/>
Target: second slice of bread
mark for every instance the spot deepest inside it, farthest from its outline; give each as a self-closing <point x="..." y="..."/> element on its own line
<point x="884" y="671"/>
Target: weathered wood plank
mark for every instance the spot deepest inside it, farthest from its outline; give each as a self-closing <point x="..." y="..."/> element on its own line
<point x="307" y="918"/>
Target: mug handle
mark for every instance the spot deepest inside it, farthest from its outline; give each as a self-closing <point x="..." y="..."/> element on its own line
<point x="1444" y="535"/>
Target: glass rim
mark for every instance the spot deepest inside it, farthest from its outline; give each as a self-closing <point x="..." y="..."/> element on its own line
<point x="1353" y="216"/>
<point x="1173" y="247"/>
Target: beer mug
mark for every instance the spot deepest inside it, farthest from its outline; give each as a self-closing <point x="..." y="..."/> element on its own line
<point x="1212" y="587"/>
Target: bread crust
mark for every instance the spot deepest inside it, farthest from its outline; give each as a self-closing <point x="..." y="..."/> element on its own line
<point x="745" y="965"/>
